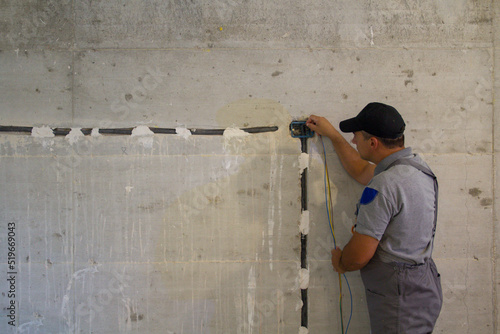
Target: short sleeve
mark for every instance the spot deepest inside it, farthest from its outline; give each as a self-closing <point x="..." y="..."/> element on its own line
<point x="374" y="213"/>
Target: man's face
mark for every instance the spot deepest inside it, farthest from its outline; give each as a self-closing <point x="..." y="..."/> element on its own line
<point x="362" y="144"/>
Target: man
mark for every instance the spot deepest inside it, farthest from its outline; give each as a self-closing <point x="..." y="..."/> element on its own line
<point x="395" y="221"/>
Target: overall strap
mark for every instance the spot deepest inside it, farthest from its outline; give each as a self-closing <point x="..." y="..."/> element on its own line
<point x="426" y="170"/>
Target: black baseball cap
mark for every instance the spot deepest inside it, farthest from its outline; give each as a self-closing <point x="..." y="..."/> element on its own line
<point x="377" y="119"/>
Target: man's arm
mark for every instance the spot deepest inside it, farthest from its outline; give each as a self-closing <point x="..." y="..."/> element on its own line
<point x="356" y="254"/>
<point x="361" y="170"/>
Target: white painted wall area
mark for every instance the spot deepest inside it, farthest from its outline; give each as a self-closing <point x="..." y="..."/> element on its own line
<point x="185" y="233"/>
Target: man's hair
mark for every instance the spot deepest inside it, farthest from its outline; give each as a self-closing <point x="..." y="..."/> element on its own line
<point x="387" y="142"/>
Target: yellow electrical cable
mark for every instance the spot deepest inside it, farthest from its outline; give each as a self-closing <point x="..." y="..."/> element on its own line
<point x="330" y="219"/>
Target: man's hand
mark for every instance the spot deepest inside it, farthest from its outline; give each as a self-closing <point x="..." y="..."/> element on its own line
<point x="321" y="126"/>
<point x="356" y="254"/>
<point x="337" y="265"/>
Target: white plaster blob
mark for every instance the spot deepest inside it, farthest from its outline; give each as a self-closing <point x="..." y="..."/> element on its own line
<point x="74" y="135"/>
<point x="95" y="132"/>
<point x="303" y="330"/>
<point x="304" y="278"/>
<point x="304" y="222"/>
<point x="141" y="131"/>
<point x="144" y="134"/>
<point x="42" y="132"/>
<point x="233" y="138"/>
<point x="303" y="161"/>
<point x="183" y="132"/>
<point x="230" y="133"/>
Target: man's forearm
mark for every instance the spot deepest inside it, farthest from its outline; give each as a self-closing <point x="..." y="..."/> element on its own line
<point x="361" y="170"/>
<point x="356" y="254"/>
<point x="358" y="251"/>
<point x="349" y="264"/>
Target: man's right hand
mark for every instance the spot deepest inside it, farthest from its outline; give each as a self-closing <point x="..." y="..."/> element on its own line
<point x="321" y="126"/>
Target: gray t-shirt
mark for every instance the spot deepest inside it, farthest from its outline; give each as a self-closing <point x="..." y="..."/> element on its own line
<point x="397" y="208"/>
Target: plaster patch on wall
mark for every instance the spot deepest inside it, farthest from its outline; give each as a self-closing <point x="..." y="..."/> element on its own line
<point x="95" y="132"/>
<point x="304" y="278"/>
<point x="141" y="131"/>
<point x="303" y="161"/>
<point x="303" y="330"/>
<point x="234" y="132"/>
<point x="234" y="140"/>
<point x="144" y="134"/>
<point x="183" y="132"/>
<point x="42" y="132"/>
<point x="74" y="135"/>
<point x="304" y="222"/>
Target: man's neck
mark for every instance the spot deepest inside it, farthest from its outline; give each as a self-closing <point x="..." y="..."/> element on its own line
<point x="384" y="153"/>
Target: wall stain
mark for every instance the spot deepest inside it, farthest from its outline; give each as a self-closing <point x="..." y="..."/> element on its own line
<point x="486" y="201"/>
<point x="409" y="73"/>
<point x="482" y="149"/>
<point x="250" y="192"/>
<point x="151" y="206"/>
<point x="214" y="200"/>
<point x="136" y="317"/>
<point x="276" y="73"/>
<point x="475" y="192"/>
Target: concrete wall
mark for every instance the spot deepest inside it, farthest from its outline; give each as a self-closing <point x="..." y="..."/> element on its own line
<point x="165" y="234"/>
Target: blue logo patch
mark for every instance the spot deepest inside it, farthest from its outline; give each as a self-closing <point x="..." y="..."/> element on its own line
<point x="368" y="196"/>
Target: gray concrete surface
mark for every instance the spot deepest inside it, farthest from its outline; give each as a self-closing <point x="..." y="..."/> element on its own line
<point x="162" y="234"/>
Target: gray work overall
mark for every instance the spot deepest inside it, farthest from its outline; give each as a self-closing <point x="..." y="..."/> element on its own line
<point x="403" y="298"/>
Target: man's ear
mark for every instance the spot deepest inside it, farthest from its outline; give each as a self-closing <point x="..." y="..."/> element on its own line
<point x="374" y="143"/>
